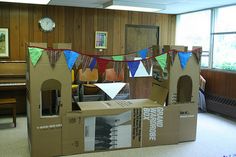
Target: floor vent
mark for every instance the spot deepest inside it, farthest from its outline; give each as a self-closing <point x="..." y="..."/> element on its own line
<point x="222" y="105"/>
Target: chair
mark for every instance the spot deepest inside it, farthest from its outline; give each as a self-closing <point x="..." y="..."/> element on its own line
<point x="74" y="85"/>
<point x="87" y="90"/>
<point x="111" y="76"/>
<point x="9" y="103"/>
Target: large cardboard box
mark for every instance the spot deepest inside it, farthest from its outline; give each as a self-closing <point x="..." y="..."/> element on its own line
<point x="104" y="125"/>
<point x="187" y="113"/>
<point x="160" y="125"/>
<point x="109" y="125"/>
<point x="62" y="45"/>
<point x="175" y="47"/>
<point x="188" y="121"/>
<point x="72" y="133"/>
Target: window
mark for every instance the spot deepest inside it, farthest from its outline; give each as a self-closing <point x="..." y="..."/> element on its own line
<point x="214" y="30"/>
<point x="50" y="98"/>
<point x="224" y="45"/>
<point x="193" y="29"/>
<point x="224" y="51"/>
<point x="224" y="19"/>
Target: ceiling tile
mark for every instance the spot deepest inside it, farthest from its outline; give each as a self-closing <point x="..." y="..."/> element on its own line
<point x="172" y="6"/>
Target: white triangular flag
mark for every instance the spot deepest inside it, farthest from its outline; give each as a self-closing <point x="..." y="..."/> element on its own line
<point x="111" y="89"/>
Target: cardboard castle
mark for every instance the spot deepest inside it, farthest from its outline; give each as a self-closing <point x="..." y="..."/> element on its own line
<point x="55" y="128"/>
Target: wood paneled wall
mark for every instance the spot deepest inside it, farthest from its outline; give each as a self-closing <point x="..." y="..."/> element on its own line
<point x="220" y="83"/>
<point x="76" y="26"/>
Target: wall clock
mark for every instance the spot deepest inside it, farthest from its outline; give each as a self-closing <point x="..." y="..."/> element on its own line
<point x="46" y="24"/>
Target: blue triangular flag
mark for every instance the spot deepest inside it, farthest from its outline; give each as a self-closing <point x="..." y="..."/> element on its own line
<point x="183" y="58"/>
<point x="71" y="57"/>
<point x="133" y="66"/>
<point x="143" y="53"/>
<point x="92" y="64"/>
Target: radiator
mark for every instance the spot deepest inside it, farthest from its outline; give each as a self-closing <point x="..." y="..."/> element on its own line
<point x="221" y="105"/>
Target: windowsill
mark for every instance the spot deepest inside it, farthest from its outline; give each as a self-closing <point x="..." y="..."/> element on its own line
<point x="219" y="70"/>
<point x="53" y="116"/>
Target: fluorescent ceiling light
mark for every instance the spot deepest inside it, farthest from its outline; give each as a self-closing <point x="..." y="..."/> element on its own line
<point x="121" y="7"/>
<point x="27" y="1"/>
<point x="133" y="6"/>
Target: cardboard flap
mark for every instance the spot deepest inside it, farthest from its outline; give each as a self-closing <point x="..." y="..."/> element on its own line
<point x="116" y="104"/>
<point x="158" y="94"/>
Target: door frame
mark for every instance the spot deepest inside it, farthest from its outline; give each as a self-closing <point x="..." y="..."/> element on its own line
<point x="134" y="81"/>
<point x="141" y="26"/>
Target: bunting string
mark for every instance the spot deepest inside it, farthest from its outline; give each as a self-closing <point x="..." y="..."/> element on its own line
<point x="147" y="65"/>
<point x="53" y="56"/>
<point x="35" y="54"/>
<point x="85" y="62"/>
<point x="102" y="65"/>
<point x="184" y="57"/>
<point x="71" y="58"/>
<point x="133" y="66"/>
<point x="78" y="62"/>
<point x="119" y="57"/>
<point x="75" y="59"/>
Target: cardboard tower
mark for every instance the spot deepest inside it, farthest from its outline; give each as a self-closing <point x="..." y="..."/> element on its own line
<point x="48" y="99"/>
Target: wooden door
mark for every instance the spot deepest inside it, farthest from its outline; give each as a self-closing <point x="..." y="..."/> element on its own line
<point x="138" y="37"/>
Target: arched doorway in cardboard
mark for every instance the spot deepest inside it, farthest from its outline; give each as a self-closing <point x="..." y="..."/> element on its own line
<point x="184" y="89"/>
<point x="50" y="97"/>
